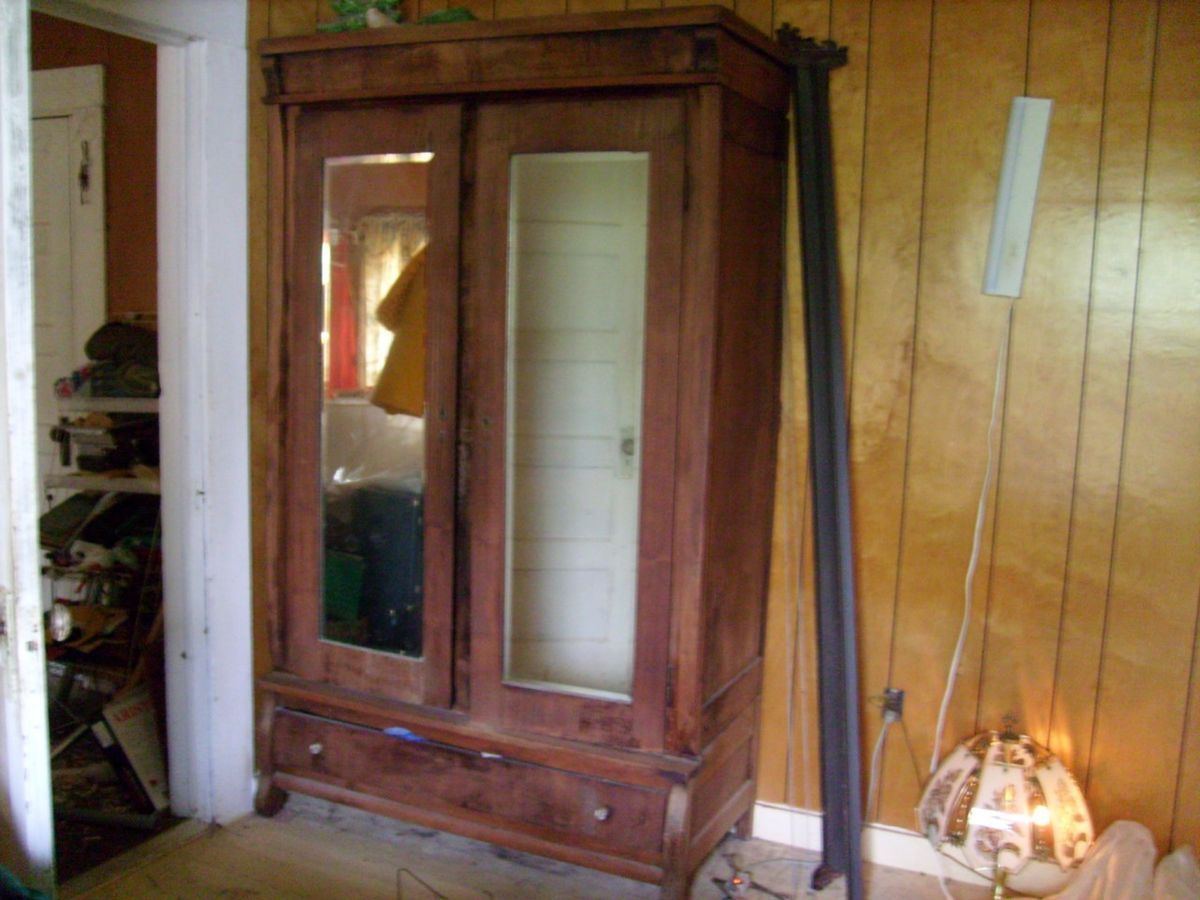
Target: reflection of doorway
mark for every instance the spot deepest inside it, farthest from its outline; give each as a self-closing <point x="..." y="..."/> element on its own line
<point x="578" y="271"/>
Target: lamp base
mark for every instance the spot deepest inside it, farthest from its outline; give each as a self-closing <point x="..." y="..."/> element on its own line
<point x="998" y="884"/>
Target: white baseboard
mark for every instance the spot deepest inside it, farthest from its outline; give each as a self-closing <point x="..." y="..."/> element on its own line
<point x="884" y="845"/>
<point x="788" y="825"/>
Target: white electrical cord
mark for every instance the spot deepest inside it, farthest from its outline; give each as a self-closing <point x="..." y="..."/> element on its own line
<point x="945" y="887"/>
<point x="877" y="757"/>
<point x="980" y="515"/>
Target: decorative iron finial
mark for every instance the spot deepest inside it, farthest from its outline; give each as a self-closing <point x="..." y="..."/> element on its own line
<point x="804" y="51"/>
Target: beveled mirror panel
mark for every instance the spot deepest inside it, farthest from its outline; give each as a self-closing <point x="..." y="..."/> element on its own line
<point x="576" y="322"/>
<point x="373" y="400"/>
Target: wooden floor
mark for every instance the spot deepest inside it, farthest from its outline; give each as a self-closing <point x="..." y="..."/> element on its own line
<point x="321" y="850"/>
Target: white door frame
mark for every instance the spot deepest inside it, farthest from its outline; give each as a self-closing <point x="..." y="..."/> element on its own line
<point x="26" y="816"/>
<point x="204" y="409"/>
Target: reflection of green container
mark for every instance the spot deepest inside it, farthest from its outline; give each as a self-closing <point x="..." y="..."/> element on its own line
<point x="343" y="586"/>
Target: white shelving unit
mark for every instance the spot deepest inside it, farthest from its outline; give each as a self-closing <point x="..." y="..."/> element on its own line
<point x="109" y="404"/>
<point x="75" y="482"/>
<point x="83" y="481"/>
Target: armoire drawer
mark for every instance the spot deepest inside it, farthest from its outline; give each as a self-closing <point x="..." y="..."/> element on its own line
<point x="541" y="801"/>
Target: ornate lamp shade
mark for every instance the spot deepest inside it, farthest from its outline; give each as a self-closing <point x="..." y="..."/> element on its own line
<point x="1007" y="808"/>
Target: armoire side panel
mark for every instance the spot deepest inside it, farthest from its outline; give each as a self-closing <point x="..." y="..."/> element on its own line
<point x="697" y="327"/>
<point x="745" y="393"/>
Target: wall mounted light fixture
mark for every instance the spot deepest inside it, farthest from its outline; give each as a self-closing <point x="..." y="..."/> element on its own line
<point x="1028" y="125"/>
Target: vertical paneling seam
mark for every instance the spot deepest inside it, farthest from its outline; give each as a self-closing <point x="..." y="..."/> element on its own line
<point x="798" y="497"/>
<point x="803" y="542"/>
<point x="862" y="181"/>
<point x="791" y="576"/>
<point x="998" y="491"/>
<point x="1083" y="381"/>
<point x="796" y="637"/>
<point x="1183" y="734"/>
<point x="1133" y="327"/>
<point x="916" y="329"/>
<point x="858" y="305"/>
<point x="1028" y="45"/>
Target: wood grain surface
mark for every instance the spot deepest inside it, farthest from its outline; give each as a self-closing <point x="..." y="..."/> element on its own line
<point x="1148" y="647"/>
<point x="1023" y="598"/>
<point x="882" y="369"/>
<point x="1085" y="625"/>
<point x="1113" y="286"/>
<point x="957" y="337"/>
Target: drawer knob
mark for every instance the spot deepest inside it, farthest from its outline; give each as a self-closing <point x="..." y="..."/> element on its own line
<point x="602" y="813"/>
<point x="316" y="749"/>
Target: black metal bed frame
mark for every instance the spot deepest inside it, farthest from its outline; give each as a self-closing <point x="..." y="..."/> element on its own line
<point x="841" y="784"/>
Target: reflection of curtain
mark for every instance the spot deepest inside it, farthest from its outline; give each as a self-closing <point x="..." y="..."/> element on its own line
<point x="386" y="241"/>
<point x="343" y="321"/>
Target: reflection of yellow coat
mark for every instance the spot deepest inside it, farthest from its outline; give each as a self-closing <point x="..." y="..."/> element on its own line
<point x="401" y="385"/>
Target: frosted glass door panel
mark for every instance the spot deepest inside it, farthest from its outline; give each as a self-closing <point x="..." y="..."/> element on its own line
<point x="576" y="310"/>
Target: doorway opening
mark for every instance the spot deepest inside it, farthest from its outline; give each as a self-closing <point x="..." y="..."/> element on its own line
<point x="97" y="374"/>
<point x="201" y="64"/>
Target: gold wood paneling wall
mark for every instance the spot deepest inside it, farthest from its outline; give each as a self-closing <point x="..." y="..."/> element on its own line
<point x="1088" y="589"/>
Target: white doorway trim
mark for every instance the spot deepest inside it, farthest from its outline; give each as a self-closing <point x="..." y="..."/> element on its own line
<point x="26" y="817"/>
<point x="204" y="410"/>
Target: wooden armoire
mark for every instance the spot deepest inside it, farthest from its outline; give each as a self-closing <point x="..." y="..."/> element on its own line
<point x="525" y="343"/>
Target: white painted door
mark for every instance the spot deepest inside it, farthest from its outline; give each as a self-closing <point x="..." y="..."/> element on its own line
<point x="54" y="338"/>
<point x="577" y="244"/>
<point x="52" y="263"/>
<point x="67" y="234"/>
